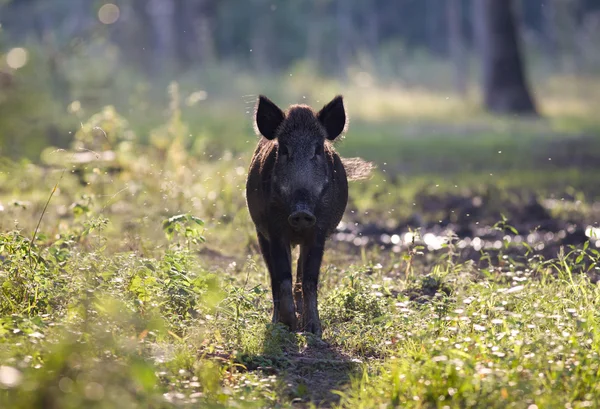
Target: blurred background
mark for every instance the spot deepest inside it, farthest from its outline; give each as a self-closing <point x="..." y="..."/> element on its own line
<point x="62" y="61"/>
<point x="452" y="100"/>
<point x="127" y="251"/>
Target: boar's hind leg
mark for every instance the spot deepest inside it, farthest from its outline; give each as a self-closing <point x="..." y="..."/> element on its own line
<point x="298" y="287"/>
<point x="278" y="259"/>
<point x="265" y="249"/>
<point x="312" y="265"/>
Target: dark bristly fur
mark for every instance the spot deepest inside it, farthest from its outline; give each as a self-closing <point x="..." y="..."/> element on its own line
<point x="297" y="191"/>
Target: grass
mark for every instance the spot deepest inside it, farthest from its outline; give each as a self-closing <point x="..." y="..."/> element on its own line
<point x="102" y="329"/>
<point x="143" y="286"/>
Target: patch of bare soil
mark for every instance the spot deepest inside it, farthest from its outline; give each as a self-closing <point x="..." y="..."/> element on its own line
<point x="474" y="228"/>
<point x="316" y="372"/>
<point x="309" y="375"/>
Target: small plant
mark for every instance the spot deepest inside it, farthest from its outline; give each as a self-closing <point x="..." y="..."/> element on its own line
<point x="413" y="251"/>
<point x="184" y="226"/>
<point x="503" y="226"/>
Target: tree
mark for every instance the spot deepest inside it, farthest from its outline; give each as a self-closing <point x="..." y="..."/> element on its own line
<point x="504" y="83"/>
<point x="456" y="44"/>
<point x="194" y="32"/>
<point x="344" y="26"/>
<point x="161" y="14"/>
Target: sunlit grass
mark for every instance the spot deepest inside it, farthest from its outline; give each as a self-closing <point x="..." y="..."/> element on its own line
<point x="129" y="307"/>
<point x="105" y="328"/>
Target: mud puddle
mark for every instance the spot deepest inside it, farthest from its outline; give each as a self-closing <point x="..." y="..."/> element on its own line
<point x="475" y="226"/>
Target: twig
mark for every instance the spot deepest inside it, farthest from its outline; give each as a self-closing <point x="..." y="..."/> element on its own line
<point x="35" y="232"/>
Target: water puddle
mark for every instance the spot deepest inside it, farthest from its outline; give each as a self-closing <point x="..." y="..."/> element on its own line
<point x="534" y="230"/>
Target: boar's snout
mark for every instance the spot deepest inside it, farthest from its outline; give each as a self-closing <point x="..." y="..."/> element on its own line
<point x="302" y="214"/>
<point x="302" y="219"/>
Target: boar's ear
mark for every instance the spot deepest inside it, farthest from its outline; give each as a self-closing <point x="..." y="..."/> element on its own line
<point x="333" y="117"/>
<point x="268" y="117"/>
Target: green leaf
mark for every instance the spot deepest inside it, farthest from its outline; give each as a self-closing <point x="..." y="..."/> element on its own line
<point x="197" y="220"/>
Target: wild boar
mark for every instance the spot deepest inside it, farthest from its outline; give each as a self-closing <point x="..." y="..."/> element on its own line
<point x="297" y="192"/>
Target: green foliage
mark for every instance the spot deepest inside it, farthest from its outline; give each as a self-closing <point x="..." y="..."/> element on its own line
<point x="355" y="303"/>
<point x="143" y="287"/>
<point x="32" y="115"/>
<point x="91" y="322"/>
<point x="184" y="225"/>
<point x="103" y="131"/>
<point x="498" y="346"/>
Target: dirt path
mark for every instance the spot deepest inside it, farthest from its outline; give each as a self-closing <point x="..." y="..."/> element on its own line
<point x="315" y="372"/>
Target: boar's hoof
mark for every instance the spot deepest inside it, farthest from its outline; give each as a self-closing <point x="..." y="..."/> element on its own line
<point x="289" y="320"/>
<point x="314" y="327"/>
<point x="299" y="304"/>
<point x="285" y="312"/>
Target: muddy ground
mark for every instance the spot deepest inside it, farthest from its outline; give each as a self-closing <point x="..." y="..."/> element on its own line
<point x="476" y="226"/>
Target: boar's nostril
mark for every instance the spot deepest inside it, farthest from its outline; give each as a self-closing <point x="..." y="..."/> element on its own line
<point x="302" y="219"/>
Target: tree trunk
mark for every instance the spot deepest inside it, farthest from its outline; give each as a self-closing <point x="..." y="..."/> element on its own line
<point x="549" y="30"/>
<point x="344" y="26"/>
<point x="313" y="36"/>
<point x="504" y="83"/>
<point x="161" y="13"/>
<point x="260" y="46"/>
<point x="194" y="27"/>
<point x="183" y="34"/>
<point x="204" y="24"/>
<point x="456" y="45"/>
<point x="138" y="39"/>
<point x="432" y="22"/>
<point x="372" y="30"/>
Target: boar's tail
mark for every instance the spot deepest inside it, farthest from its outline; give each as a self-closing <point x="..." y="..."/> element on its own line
<point x="357" y="168"/>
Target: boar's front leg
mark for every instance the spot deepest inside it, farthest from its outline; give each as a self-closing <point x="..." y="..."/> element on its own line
<point x="312" y="257"/>
<point x="298" y="288"/>
<point x="278" y="258"/>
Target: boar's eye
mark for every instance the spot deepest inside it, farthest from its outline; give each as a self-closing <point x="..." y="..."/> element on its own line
<point x="318" y="150"/>
<point x="283" y="151"/>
